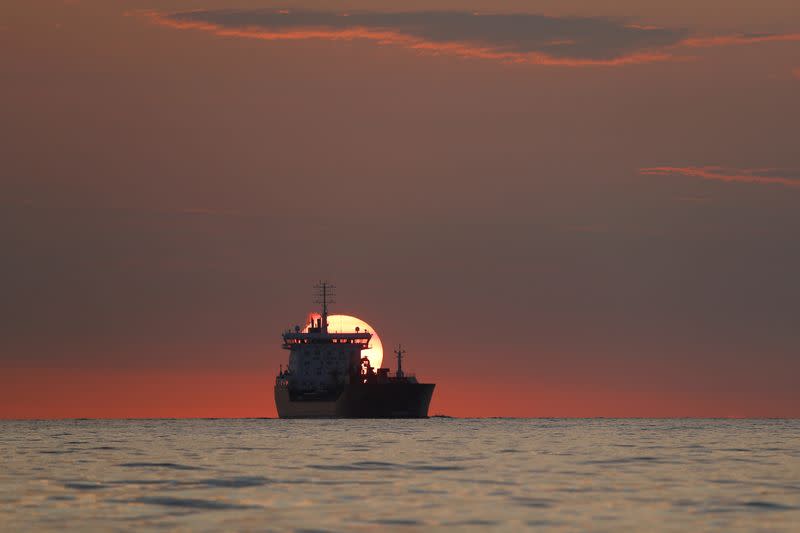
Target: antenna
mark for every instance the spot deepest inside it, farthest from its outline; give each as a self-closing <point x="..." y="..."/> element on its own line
<point x="400" y="351"/>
<point x="324" y="295"/>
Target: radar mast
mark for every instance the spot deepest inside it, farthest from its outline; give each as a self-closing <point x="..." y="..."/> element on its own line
<point x="324" y="295"/>
<point x="400" y="352"/>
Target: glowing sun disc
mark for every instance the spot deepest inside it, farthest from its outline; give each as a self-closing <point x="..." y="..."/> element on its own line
<point x="348" y="324"/>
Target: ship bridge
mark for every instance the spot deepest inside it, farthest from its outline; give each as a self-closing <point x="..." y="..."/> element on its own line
<point x="293" y="338"/>
<point x="319" y="359"/>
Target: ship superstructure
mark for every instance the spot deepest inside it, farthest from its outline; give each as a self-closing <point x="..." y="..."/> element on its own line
<point x="328" y="376"/>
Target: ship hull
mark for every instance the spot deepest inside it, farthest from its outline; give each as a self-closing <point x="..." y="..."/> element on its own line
<point x="370" y="400"/>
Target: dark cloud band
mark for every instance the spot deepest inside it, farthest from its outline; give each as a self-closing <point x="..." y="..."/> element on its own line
<point x="512" y="37"/>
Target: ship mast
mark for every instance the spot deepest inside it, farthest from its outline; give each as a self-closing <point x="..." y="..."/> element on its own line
<point x="400" y="351"/>
<point x="324" y="296"/>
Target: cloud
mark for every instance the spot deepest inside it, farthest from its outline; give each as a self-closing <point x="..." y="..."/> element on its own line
<point x="517" y="38"/>
<point x="763" y="176"/>
<point x="694" y="198"/>
<point x="511" y="37"/>
<point x="742" y="38"/>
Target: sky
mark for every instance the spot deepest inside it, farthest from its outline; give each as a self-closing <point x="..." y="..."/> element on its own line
<point x="572" y="208"/>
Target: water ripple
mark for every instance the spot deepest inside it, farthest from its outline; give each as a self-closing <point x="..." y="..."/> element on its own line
<point x="173" y="466"/>
<point x="379" y="465"/>
<point x="191" y="503"/>
<point x="345" y="475"/>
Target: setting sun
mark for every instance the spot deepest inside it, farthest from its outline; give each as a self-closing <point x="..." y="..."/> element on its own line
<point x="348" y="324"/>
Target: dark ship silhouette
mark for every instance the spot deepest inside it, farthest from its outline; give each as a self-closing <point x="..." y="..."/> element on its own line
<point x="328" y="376"/>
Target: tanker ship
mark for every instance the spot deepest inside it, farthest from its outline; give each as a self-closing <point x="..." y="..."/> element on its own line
<point x="328" y="376"/>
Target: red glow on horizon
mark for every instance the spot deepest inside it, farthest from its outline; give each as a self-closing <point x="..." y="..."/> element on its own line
<point x="248" y="394"/>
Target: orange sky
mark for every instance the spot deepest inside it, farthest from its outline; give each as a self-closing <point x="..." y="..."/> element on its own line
<point x="570" y="208"/>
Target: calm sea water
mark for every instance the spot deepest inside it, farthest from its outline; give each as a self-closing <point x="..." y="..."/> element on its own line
<point x="404" y="475"/>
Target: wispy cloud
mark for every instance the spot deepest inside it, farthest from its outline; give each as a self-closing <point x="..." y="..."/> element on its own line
<point x="763" y="176"/>
<point x="513" y="38"/>
<point x="741" y="38"/>
<point x="694" y="198"/>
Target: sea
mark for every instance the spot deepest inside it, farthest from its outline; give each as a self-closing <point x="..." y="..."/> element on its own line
<point x="436" y="474"/>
